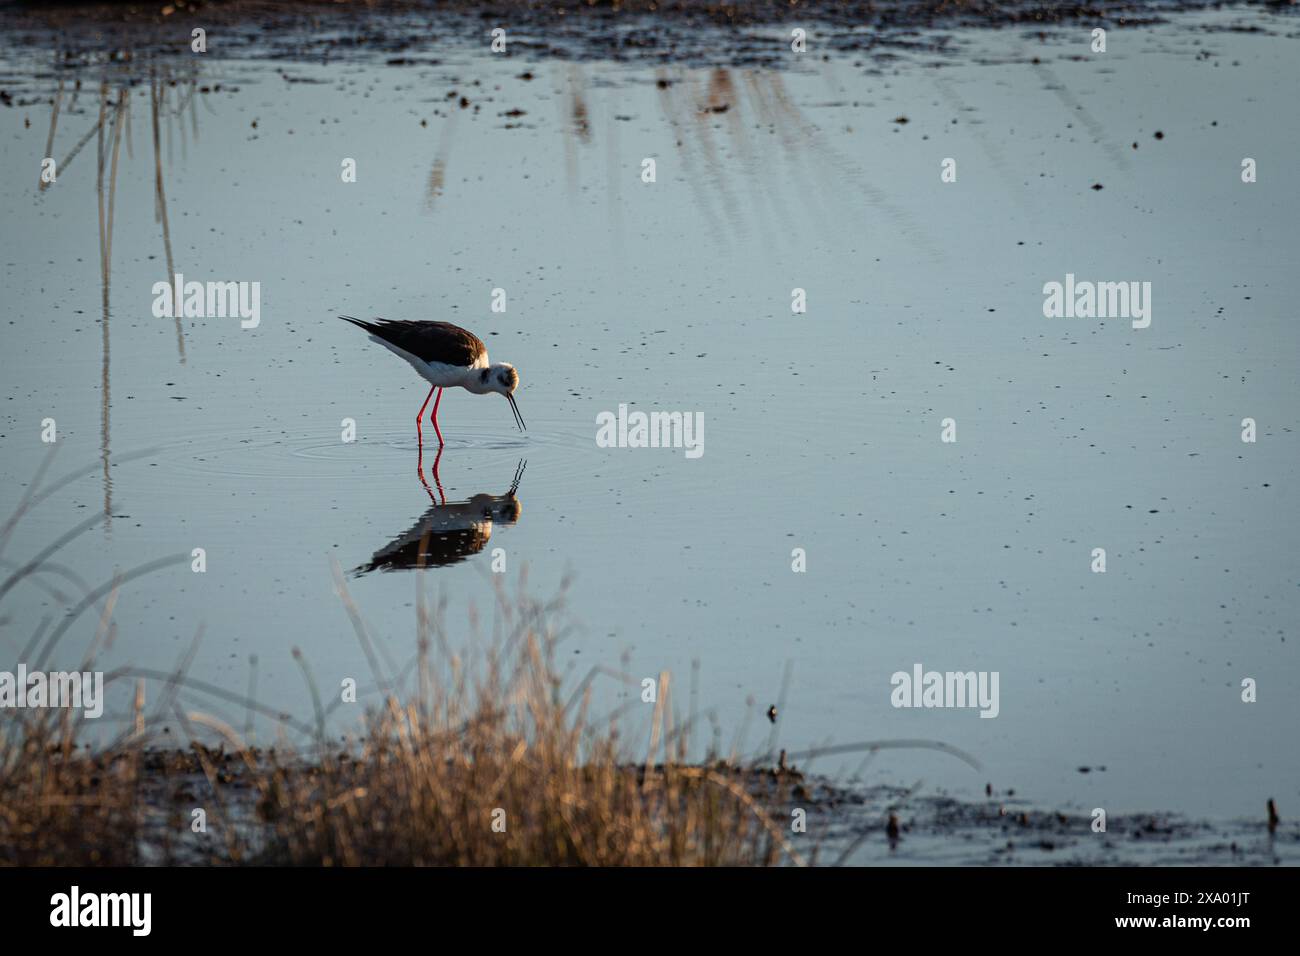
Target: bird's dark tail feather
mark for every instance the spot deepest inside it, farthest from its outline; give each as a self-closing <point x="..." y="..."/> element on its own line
<point x="359" y="323"/>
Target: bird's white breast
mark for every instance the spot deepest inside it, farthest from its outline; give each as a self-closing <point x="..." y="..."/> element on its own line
<point x="444" y="376"/>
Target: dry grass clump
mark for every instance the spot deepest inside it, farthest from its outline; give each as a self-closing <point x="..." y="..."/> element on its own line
<point x="60" y="803"/>
<point x="478" y="766"/>
<point x="61" y="806"/>
<point x="494" y="765"/>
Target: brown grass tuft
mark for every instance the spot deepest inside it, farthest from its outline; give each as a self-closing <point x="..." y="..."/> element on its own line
<point x="433" y="774"/>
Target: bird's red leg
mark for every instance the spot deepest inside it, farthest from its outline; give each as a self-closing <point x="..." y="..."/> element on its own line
<point x="434" y="416"/>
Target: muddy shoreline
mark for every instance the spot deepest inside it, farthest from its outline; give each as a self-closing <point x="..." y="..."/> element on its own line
<point x="847" y="824"/>
<point x="409" y="32"/>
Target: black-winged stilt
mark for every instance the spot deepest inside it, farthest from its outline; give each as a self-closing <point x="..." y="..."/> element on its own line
<point x="445" y="356"/>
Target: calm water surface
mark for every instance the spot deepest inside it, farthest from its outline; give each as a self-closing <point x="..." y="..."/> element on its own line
<point x="821" y="429"/>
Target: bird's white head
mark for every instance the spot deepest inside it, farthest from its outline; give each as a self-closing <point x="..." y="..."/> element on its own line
<point x="501" y="378"/>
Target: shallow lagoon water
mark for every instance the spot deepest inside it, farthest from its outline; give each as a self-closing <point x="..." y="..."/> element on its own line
<point x="822" y="430"/>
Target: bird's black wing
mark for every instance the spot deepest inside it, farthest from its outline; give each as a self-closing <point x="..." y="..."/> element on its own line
<point x="427" y="341"/>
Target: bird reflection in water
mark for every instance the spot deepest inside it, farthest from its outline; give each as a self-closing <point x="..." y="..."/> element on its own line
<point x="448" y="532"/>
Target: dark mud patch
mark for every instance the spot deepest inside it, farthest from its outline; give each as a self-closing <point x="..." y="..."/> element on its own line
<point x="940" y="830"/>
<point x="680" y="32"/>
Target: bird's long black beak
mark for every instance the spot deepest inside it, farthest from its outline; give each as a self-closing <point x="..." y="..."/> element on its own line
<point x="519" y="419"/>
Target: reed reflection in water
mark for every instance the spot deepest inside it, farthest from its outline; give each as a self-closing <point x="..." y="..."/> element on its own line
<point x="111" y="129"/>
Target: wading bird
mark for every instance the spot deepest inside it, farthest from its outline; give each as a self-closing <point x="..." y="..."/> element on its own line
<point x="445" y="356"/>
